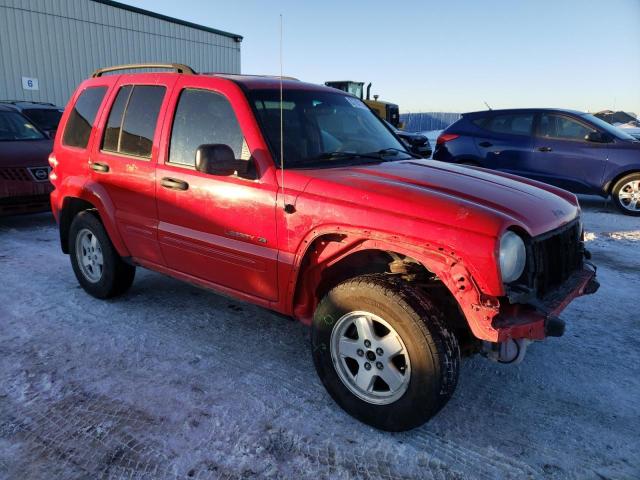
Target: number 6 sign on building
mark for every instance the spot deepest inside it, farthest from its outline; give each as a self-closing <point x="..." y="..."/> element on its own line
<point x="29" y="83"/>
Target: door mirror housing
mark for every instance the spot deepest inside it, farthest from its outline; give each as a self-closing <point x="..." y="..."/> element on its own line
<point x="597" y="137"/>
<point x="218" y="159"/>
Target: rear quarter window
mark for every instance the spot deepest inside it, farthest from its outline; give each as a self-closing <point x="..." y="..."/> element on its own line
<point x="82" y="117"/>
<point x="510" y="124"/>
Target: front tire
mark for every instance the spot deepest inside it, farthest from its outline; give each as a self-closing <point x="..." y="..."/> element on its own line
<point x="383" y="352"/>
<point x="96" y="263"/>
<point x="626" y="194"/>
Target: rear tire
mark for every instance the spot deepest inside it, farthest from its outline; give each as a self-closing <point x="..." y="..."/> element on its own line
<point x="425" y="372"/>
<point x="626" y="194"/>
<point x="96" y="263"/>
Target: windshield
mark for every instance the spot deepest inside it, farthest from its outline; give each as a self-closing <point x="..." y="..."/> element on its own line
<point x="14" y="126"/>
<point x="616" y="117"/>
<point x="45" y="118"/>
<point x="607" y="127"/>
<point x="323" y="128"/>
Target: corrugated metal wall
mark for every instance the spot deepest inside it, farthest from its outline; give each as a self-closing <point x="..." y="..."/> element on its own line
<point x="60" y="42"/>
<point x="424" y="121"/>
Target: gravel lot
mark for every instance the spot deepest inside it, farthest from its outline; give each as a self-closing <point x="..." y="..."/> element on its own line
<point x="171" y="381"/>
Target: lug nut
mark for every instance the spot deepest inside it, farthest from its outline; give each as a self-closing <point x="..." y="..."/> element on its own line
<point x="379" y="351"/>
<point x="379" y="365"/>
<point x="360" y="352"/>
<point x="367" y="343"/>
<point x="367" y="366"/>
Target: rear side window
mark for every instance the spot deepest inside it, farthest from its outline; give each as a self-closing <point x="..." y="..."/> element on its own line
<point x="559" y="126"/>
<point x="203" y="117"/>
<point x="132" y="120"/>
<point x="510" y="124"/>
<point x="82" y="117"/>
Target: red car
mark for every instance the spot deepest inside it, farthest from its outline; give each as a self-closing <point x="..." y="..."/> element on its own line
<point x="308" y="204"/>
<point x="24" y="169"/>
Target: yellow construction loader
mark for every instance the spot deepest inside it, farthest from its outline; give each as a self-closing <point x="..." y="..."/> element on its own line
<point x="385" y="110"/>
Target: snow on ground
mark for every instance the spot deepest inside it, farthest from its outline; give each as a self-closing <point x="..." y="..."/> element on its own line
<point x="171" y="381"/>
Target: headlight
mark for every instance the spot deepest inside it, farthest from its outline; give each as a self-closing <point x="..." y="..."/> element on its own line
<point x="513" y="256"/>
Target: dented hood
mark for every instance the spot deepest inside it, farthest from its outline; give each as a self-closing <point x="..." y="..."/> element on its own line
<point x="469" y="198"/>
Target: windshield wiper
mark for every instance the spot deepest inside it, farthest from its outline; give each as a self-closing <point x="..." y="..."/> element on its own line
<point x="340" y="155"/>
<point x="379" y="155"/>
<point x="389" y="151"/>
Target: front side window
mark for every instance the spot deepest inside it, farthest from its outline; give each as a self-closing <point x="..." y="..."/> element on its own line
<point x="510" y="124"/>
<point x="132" y="120"/>
<point x="562" y="127"/>
<point x="203" y="117"/>
<point x="14" y="126"/>
<point x="82" y="117"/>
<point x="323" y="129"/>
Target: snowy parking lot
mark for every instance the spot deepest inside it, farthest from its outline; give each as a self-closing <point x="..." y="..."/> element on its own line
<point x="170" y="381"/>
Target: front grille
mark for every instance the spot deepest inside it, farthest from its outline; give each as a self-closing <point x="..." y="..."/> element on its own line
<point x="17" y="174"/>
<point x="556" y="255"/>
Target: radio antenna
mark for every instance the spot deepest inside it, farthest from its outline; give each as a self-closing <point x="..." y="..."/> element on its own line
<point x="284" y="202"/>
<point x="487" y="105"/>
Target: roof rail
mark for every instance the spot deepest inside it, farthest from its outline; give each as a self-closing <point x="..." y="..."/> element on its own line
<point x="223" y="74"/>
<point x="178" y="67"/>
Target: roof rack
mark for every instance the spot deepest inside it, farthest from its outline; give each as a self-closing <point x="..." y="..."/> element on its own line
<point x="178" y="67"/>
<point x="223" y="74"/>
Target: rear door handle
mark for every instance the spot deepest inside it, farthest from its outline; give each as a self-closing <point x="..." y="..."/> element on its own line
<point x="174" y="183"/>
<point x="100" y="167"/>
<point x="486" y="144"/>
<point x="545" y="149"/>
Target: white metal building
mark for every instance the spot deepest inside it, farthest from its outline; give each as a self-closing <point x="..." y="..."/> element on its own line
<point x="47" y="47"/>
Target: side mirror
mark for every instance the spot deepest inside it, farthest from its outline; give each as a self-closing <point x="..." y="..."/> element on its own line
<point x="597" y="137"/>
<point x="417" y="140"/>
<point x="218" y="159"/>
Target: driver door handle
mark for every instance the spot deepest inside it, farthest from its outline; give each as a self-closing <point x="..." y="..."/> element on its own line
<point x="545" y="149"/>
<point x="174" y="184"/>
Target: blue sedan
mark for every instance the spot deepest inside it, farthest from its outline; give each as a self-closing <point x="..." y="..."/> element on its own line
<point x="572" y="150"/>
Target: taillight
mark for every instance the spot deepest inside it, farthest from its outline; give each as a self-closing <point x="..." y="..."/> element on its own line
<point x="446" y="137"/>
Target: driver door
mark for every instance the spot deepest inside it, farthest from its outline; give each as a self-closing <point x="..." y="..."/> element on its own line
<point x="220" y="229"/>
<point x="562" y="156"/>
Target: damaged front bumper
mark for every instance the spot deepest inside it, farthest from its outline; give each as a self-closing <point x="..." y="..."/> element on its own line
<point x="539" y="318"/>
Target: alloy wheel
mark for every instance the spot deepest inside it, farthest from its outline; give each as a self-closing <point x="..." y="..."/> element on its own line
<point x="89" y="255"/>
<point x="629" y="196"/>
<point x="370" y="357"/>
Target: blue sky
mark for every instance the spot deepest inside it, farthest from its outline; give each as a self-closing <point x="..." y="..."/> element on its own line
<point x="443" y="55"/>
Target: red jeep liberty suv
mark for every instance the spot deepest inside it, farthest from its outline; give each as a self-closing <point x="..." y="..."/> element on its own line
<point x="298" y="198"/>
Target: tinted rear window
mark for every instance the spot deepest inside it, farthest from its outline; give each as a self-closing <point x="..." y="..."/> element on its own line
<point x="132" y="120"/>
<point x="114" y="123"/>
<point x="82" y="117"/>
<point x="510" y="124"/>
